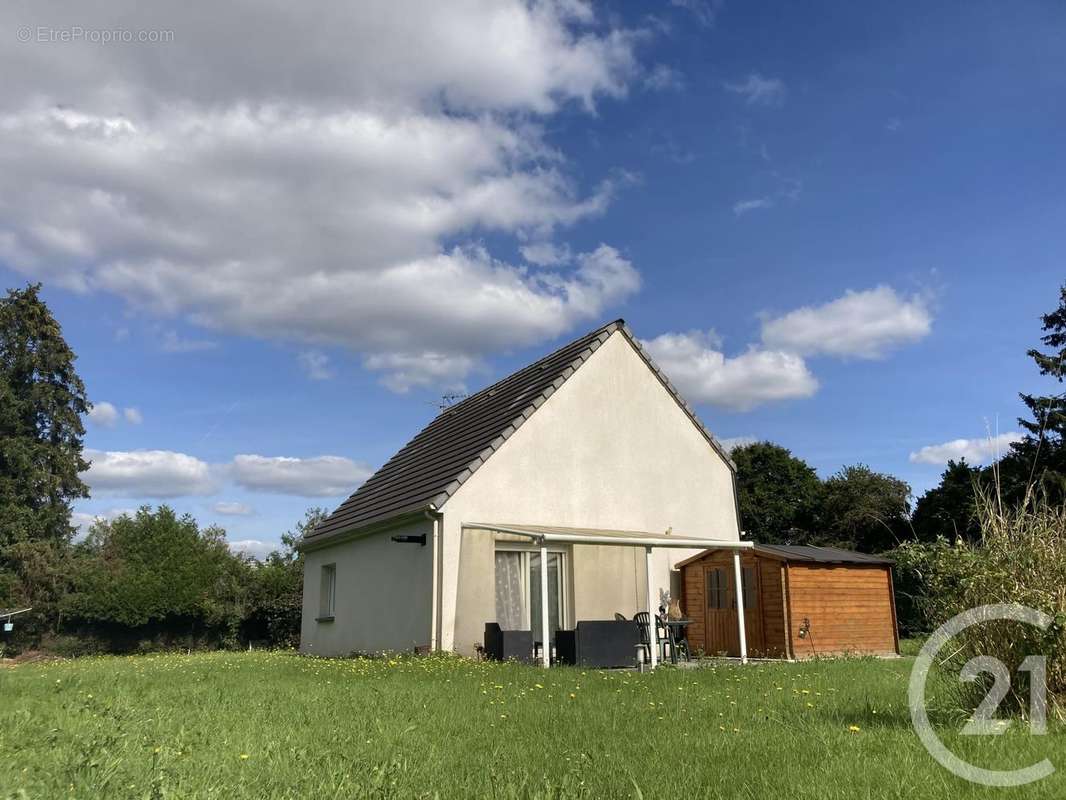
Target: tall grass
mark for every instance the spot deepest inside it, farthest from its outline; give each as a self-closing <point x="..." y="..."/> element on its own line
<point x="1021" y="558"/>
<point x="257" y="726"/>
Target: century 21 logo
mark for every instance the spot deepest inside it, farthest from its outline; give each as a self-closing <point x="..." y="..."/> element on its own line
<point x="983" y="721"/>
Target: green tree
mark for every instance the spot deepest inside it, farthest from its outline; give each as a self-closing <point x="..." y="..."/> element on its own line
<point x="156" y="568"/>
<point x="279" y="582"/>
<point x="864" y="510"/>
<point x="41" y="403"/>
<point x="1040" y="458"/>
<point x="949" y="510"/>
<point x="777" y="493"/>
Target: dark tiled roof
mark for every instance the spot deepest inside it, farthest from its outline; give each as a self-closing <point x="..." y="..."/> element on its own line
<point x="823" y="555"/>
<point x="433" y="465"/>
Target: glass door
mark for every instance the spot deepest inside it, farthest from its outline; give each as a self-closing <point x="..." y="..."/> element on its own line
<point x="511" y="588"/>
<point x="555" y="598"/>
<point x="518" y="602"/>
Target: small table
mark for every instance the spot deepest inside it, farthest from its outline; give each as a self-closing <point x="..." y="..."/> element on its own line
<point x="675" y="628"/>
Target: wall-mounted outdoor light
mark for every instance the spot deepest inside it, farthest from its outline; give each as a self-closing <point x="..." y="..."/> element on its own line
<point x="411" y="539"/>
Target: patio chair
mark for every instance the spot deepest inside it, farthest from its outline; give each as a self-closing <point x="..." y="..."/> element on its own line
<point x="619" y="617"/>
<point x="668" y="634"/>
<point x="662" y="635"/>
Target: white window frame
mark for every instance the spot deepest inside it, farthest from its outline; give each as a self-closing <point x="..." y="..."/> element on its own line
<point x="327" y="590"/>
<point x="564" y="580"/>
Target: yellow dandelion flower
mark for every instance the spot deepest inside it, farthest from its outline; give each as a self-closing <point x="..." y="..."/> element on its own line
<point x="854" y="728"/>
<point x="244" y="756"/>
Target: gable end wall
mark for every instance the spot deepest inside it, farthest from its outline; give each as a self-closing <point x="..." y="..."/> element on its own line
<point x="610" y="449"/>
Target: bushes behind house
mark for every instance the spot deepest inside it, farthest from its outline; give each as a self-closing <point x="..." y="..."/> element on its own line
<point x="1019" y="558"/>
<point x="151" y="581"/>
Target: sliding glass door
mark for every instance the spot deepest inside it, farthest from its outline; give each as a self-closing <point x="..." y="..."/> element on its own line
<point x="518" y="602"/>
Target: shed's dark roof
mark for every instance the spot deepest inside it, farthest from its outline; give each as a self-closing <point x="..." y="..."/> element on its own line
<point x="433" y="465"/>
<point x="824" y="555"/>
<point x="807" y="553"/>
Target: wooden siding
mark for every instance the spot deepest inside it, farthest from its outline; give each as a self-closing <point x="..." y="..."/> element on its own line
<point x="765" y="624"/>
<point x="850" y="608"/>
<point x="773" y="614"/>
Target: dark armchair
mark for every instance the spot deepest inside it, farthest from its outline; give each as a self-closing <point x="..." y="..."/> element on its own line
<point x="599" y="644"/>
<point x="501" y="645"/>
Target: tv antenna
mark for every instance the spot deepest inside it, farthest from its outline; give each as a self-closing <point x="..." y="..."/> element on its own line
<point x="450" y="399"/>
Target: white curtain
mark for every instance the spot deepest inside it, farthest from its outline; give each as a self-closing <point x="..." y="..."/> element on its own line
<point x="509" y="590"/>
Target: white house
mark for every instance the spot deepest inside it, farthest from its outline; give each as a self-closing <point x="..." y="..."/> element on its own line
<point x="587" y="459"/>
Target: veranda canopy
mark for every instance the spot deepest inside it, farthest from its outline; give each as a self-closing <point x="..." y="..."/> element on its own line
<point x="542" y="535"/>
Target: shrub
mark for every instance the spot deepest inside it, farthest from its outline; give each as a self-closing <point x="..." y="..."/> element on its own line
<point x="156" y="576"/>
<point x="918" y="564"/>
<point x="1020" y="558"/>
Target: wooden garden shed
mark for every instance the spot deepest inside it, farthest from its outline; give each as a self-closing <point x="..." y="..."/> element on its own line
<point x="799" y="602"/>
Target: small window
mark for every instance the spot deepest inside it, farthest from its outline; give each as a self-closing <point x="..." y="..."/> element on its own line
<point x="328" y="589"/>
<point x="750" y="596"/>
<point x="717" y="588"/>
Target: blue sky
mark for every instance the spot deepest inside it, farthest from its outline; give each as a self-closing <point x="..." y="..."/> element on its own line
<point x="835" y="226"/>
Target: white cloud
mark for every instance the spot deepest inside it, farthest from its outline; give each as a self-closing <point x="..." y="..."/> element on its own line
<point x="742" y="207"/>
<point x="975" y="451"/>
<point x="233" y="509"/>
<point x="330" y="197"/>
<point x="148" y="473"/>
<point x="787" y="189"/>
<point x="256" y="548"/>
<point x="663" y="77"/>
<point x="174" y="343"/>
<point x="863" y="324"/>
<point x="732" y="443"/>
<point x="405" y="371"/>
<point x="104" y="414"/>
<point x="323" y="476"/>
<point x="704" y="10"/>
<point x="893" y="125"/>
<point x="519" y="306"/>
<point x="706" y="375"/>
<point x="316" y="365"/>
<point x="83" y="520"/>
<point x="546" y="254"/>
<point x="758" y="90"/>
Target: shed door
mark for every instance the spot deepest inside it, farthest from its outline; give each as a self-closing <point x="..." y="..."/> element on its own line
<point x="722" y="634"/>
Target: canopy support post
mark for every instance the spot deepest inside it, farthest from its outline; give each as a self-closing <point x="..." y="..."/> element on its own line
<point x="653" y="629"/>
<point x="545" y="633"/>
<point x="738" y="592"/>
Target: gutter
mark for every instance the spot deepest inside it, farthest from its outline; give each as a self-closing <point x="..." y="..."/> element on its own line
<point x="365" y="529"/>
<point x="620" y="541"/>
<point x="435" y="517"/>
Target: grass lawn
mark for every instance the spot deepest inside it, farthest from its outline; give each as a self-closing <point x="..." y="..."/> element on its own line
<point x="272" y="725"/>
